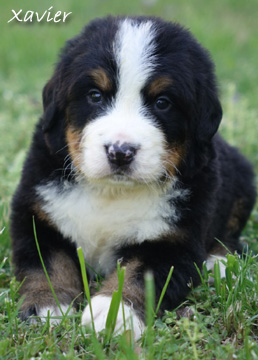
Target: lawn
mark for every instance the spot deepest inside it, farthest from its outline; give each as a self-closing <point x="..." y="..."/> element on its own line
<point x="218" y="321"/>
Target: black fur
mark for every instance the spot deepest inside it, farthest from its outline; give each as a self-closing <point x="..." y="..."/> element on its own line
<point x="217" y="176"/>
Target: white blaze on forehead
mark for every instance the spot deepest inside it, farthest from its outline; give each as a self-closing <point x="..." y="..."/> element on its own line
<point x="134" y="51"/>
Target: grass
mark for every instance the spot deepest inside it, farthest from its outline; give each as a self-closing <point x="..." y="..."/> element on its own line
<point x="218" y="321"/>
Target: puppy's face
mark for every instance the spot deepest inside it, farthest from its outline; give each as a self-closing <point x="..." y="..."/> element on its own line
<point x="120" y="136"/>
<point x="131" y="95"/>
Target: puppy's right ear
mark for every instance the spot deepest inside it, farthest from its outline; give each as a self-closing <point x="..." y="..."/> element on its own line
<point x="49" y="104"/>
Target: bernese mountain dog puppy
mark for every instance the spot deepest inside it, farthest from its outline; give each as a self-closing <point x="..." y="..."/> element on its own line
<point x="125" y="162"/>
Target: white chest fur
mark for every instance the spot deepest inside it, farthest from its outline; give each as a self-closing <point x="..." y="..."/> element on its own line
<point x="100" y="222"/>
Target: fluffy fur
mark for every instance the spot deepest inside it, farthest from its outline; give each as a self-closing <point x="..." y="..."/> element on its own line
<point x="126" y="163"/>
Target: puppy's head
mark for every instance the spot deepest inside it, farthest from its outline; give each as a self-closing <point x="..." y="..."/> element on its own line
<point x="130" y="99"/>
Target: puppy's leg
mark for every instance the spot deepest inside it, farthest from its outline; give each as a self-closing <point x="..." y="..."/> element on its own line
<point x="220" y="260"/>
<point x="59" y="256"/>
<point x="38" y="298"/>
<point x="132" y="309"/>
<point x="157" y="257"/>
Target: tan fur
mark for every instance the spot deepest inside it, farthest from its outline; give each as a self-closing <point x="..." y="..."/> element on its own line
<point x="65" y="279"/>
<point x="173" y="158"/>
<point x="73" y="138"/>
<point x="218" y="250"/>
<point x="40" y="213"/>
<point x="159" y="85"/>
<point x="101" y="79"/>
<point x="131" y="289"/>
<point x="237" y="211"/>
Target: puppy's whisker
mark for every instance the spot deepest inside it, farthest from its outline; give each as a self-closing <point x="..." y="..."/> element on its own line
<point x="171" y="164"/>
<point x="64" y="147"/>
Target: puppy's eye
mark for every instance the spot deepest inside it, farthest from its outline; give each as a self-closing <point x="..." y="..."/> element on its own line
<point x="95" y="96"/>
<point x="162" y="103"/>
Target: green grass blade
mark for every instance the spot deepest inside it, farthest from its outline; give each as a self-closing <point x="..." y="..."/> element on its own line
<point x="164" y="289"/>
<point x="217" y="278"/>
<point x="229" y="278"/>
<point x="85" y="283"/>
<point x="149" y="299"/>
<point x="44" y="268"/>
<point x="112" y="316"/>
<point x="149" y="312"/>
<point x="115" y="303"/>
<point x="98" y="351"/>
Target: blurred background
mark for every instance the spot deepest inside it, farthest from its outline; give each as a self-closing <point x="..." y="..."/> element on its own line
<point x="28" y="52"/>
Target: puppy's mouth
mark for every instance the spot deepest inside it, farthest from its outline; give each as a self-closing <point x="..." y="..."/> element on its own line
<point x="120" y="177"/>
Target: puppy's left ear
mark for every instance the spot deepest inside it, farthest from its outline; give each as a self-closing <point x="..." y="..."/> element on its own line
<point x="52" y="121"/>
<point x="209" y="115"/>
<point x="49" y="104"/>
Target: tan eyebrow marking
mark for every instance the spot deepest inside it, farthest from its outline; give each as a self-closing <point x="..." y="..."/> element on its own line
<point x="159" y="85"/>
<point x="101" y="79"/>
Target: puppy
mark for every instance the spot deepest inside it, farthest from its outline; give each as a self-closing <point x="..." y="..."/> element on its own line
<point x="126" y="163"/>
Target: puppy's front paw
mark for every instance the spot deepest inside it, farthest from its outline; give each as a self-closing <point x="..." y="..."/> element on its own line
<point x="53" y="312"/>
<point x="220" y="260"/>
<point x="100" y="307"/>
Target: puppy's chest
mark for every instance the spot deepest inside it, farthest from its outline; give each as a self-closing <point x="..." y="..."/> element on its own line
<point x="102" y="223"/>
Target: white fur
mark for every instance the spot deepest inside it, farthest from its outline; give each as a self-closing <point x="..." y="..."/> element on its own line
<point x="126" y="119"/>
<point x="53" y="312"/>
<point x="100" y="221"/>
<point x="210" y="262"/>
<point x="100" y="307"/>
<point x="134" y="48"/>
<point x="123" y="126"/>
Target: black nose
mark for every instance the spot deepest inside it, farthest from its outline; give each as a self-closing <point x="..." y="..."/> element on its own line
<point x="120" y="155"/>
